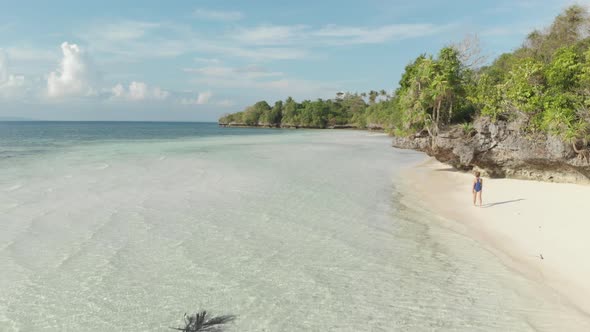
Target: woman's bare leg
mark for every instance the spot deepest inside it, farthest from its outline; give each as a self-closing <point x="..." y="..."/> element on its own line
<point x="480" y="198"/>
<point x="474" y="197"/>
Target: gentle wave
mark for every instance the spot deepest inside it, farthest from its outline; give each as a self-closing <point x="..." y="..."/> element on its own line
<point x="14" y="187"/>
<point x="102" y="166"/>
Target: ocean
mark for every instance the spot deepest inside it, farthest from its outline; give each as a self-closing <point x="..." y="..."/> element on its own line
<point x="126" y="226"/>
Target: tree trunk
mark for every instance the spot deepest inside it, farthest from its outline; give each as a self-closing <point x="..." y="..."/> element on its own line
<point x="438" y="111"/>
<point x="433" y="114"/>
<point x="583" y="153"/>
<point x="574" y="145"/>
<point x="450" y="112"/>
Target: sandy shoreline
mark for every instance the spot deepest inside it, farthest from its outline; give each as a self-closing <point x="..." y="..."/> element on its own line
<point x="539" y="229"/>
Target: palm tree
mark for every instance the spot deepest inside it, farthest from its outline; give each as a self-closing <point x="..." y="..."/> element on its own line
<point x="372" y="96"/>
<point x="200" y="322"/>
<point x="440" y="89"/>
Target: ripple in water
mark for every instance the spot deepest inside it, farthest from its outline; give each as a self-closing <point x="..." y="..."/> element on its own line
<point x="14" y="187"/>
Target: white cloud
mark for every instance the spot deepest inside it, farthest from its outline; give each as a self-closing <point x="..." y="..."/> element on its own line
<point x="73" y="77"/>
<point x="519" y="5"/>
<point x="300" y="88"/>
<point x="272" y="34"/>
<point x="138" y="91"/>
<point x="521" y="28"/>
<point x="277" y="35"/>
<point x="208" y="60"/>
<point x="203" y="97"/>
<point x="262" y="53"/>
<point x="281" y="87"/>
<point x="129" y="40"/>
<point x="212" y="71"/>
<point x="217" y="15"/>
<point x="118" y="91"/>
<point x="255" y="77"/>
<point x="374" y="35"/>
<point x="160" y="94"/>
<point x="124" y="30"/>
<point x="106" y="34"/>
<point x="3" y="65"/>
<point x="250" y="71"/>
<point x="206" y="98"/>
<point x="10" y="85"/>
<point x="133" y="40"/>
<point x="28" y="53"/>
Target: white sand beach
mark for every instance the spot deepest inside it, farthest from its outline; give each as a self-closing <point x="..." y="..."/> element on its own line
<point x="539" y="229"/>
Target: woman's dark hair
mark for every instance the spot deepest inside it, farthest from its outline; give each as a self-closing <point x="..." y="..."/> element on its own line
<point x="477" y="174"/>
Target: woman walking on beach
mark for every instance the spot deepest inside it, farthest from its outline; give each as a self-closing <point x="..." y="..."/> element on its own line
<point x="477" y="188"/>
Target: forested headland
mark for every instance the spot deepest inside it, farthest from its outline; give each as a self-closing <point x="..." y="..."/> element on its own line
<point x="541" y="90"/>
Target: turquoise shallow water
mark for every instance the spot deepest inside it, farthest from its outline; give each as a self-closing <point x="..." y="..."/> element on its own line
<point x="127" y="226"/>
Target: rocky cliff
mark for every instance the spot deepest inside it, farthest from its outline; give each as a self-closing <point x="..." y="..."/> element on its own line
<point x="499" y="149"/>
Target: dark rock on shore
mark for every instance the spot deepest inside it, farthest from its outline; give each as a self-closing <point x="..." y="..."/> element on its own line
<point x="500" y="150"/>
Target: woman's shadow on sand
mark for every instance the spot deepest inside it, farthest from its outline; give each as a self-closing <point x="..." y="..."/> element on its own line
<point x="489" y="205"/>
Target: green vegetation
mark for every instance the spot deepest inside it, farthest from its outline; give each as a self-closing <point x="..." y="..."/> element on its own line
<point x="544" y="85"/>
<point x="467" y="128"/>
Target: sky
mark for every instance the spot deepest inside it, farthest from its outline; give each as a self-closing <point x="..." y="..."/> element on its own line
<point x="197" y="60"/>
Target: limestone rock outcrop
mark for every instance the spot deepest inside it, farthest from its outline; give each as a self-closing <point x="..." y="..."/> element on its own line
<point x="500" y="150"/>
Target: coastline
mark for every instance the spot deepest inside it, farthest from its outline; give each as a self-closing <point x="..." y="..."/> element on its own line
<point x="535" y="228"/>
<point x="334" y="127"/>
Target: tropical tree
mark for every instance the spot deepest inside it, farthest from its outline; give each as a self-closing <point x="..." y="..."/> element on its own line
<point x="487" y="95"/>
<point x="373" y="97"/>
<point x="447" y="82"/>
<point x="525" y="86"/>
<point x="290" y="112"/>
<point x="565" y="69"/>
